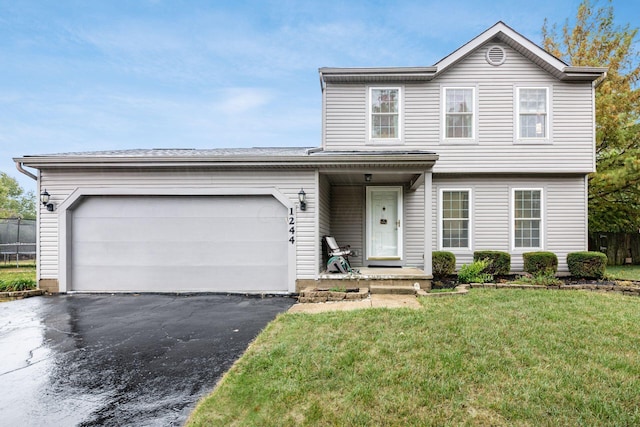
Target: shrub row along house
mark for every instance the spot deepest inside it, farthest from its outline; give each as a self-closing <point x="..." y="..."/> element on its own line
<point x="488" y="149"/>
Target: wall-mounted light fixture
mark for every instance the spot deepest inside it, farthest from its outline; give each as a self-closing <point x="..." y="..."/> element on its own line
<point x="367" y="177"/>
<point x="302" y="197"/>
<point x="44" y="198"/>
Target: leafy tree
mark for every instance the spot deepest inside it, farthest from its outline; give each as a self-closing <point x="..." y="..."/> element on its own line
<point x="595" y="40"/>
<point x="13" y="200"/>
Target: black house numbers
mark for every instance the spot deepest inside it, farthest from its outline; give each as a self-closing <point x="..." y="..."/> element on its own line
<point x="292" y="229"/>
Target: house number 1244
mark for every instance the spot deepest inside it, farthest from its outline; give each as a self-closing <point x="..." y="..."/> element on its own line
<point x="292" y="229"/>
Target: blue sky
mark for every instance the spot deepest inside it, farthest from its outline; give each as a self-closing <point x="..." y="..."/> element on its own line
<point x="95" y="75"/>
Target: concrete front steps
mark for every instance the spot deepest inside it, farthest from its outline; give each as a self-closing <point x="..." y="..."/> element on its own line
<point x="397" y="289"/>
<point x="374" y="281"/>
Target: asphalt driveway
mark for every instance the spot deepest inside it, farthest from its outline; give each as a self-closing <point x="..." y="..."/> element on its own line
<point x="120" y="359"/>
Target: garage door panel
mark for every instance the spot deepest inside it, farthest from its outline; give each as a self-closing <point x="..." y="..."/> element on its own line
<point x="179" y="253"/>
<point x="170" y="229"/>
<point x="180" y="243"/>
<point x="187" y="207"/>
<point x="164" y="279"/>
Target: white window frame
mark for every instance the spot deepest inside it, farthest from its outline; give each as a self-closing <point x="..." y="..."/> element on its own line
<point x="536" y="140"/>
<point x="513" y="220"/>
<point x="441" y="220"/>
<point x="474" y="117"/>
<point x="370" y="113"/>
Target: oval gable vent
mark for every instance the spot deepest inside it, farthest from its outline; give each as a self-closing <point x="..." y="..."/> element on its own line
<point x="496" y="55"/>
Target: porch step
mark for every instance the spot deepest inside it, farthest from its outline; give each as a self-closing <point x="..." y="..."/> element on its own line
<point x="399" y="281"/>
<point x="392" y="289"/>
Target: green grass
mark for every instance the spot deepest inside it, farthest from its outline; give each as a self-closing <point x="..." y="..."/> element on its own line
<point x="14" y="278"/>
<point x="624" y="272"/>
<point x="507" y="357"/>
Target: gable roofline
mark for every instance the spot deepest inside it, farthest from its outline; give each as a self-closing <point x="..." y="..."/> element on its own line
<point x="507" y="35"/>
<point x="499" y="32"/>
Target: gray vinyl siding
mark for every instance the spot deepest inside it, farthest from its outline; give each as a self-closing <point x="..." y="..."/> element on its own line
<point x="564" y="214"/>
<point x="414" y="227"/>
<point x="324" y="215"/>
<point x="347" y="219"/>
<point x="346" y="116"/>
<point x="496" y="149"/>
<point x="61" y="183"/>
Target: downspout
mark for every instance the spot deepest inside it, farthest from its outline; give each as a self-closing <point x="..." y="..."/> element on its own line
<point x="324" y="111"/>
<point x="26" y="172"/>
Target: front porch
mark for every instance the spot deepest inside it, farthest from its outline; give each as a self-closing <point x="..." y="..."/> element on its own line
<point x="404" y="280"/>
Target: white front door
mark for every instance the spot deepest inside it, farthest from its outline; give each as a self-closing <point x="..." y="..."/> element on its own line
<point x="384" y="223"/>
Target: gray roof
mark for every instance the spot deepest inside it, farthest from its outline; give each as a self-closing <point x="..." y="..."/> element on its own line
<point x="185" y="152"/>
<point x="260" y="157"/>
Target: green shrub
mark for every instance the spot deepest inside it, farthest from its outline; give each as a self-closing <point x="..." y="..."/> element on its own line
<point x="498" y="263"/>
<point x="542" y="279"/>
<point x="444" y="263"/>
<point x="474" y="272"/>
<point x="588" y="265"/>
<point x="540" y="263"/>
<point x="18" y="284"/>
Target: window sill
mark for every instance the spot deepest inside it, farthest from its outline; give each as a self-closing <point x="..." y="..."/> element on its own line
<point x="458" y="142"/>
<point x="520" y="251"/>
<point x="532" y="142"/>
<point x="379" y="142"/>
<point x="458" y="251"/>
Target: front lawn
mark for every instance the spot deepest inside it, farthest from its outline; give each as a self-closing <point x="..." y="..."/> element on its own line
<point x="624" y="272"/>
<point x="492" y="357"/>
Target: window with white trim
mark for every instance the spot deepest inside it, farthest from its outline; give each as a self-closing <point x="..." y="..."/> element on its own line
<point x="455" y="214"/>
<point x="459" y="104"/>
<point x="527" y="217"/>
<point x="384" y="107"/>
<point x="533" y="112"/>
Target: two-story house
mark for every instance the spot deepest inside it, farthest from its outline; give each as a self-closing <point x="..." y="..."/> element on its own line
<point x="490" y="149"/>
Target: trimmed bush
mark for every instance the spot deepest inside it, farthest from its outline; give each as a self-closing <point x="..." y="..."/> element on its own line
<point x="444" y="263"/>
<point x="474" y="272"/>
<point x="498" y="263"/>
<point x="540" y="263"/>
<point x="588" y="265"/>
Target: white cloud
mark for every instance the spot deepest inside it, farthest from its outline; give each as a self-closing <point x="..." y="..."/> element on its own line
<point x="242" y="100"/>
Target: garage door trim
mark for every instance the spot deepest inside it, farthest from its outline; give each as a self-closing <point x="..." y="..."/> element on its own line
<point x="65" y="214"/>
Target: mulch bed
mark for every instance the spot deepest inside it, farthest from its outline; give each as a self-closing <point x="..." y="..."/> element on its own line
<point x="452" y="281"/>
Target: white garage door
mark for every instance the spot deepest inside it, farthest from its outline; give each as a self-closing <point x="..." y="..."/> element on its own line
<point x="179" y="243"/>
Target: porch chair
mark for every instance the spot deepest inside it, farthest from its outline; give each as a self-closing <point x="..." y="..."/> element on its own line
<point x="334" y="250"/>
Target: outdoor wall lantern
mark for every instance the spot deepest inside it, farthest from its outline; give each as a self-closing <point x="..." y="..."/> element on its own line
<point x="44" y="198"/>
<point x="367" y="177"/>
<point x="302" y="197"/>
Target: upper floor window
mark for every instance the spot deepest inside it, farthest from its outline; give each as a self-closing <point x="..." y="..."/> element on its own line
<point x="385" y="113"/>
<point x="455" y="217"/>
<point x="459" y="113"/>
<point x="527" y="216"/>
<point x="533" y="113"/>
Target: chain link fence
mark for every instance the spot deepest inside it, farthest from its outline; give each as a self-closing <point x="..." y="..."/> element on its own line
<point x="17" y="239"/>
